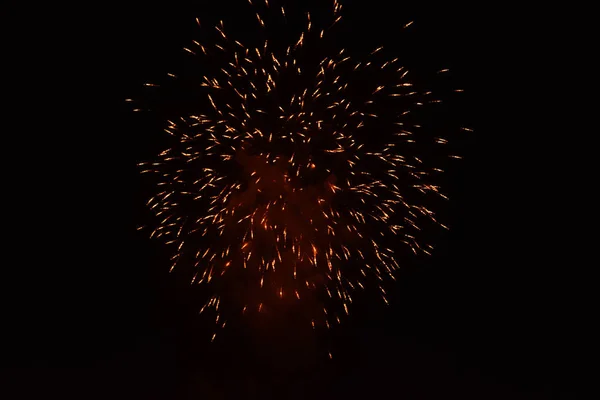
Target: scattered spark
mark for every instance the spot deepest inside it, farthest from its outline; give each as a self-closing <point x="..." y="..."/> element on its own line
<point x="296" y="190"/>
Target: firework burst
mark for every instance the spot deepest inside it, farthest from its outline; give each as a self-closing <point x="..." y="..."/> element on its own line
<point x="296" y="172"/>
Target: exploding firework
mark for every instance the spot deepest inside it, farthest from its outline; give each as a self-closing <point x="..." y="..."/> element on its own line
<point x="296" y="173"/>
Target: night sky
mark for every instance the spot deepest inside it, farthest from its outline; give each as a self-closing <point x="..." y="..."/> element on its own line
<point x="498" y="312"/>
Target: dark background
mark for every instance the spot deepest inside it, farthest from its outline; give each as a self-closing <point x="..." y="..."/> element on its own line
<point x="501" y="310"/>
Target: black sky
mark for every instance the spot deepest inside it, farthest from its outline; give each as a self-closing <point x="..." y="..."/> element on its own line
<point x="499" y="311"/>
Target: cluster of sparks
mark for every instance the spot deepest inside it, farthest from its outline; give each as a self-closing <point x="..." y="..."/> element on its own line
<point x="294" y="182"/>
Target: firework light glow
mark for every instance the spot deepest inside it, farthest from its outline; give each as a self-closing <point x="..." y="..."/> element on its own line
<point x="296" y="173"/>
